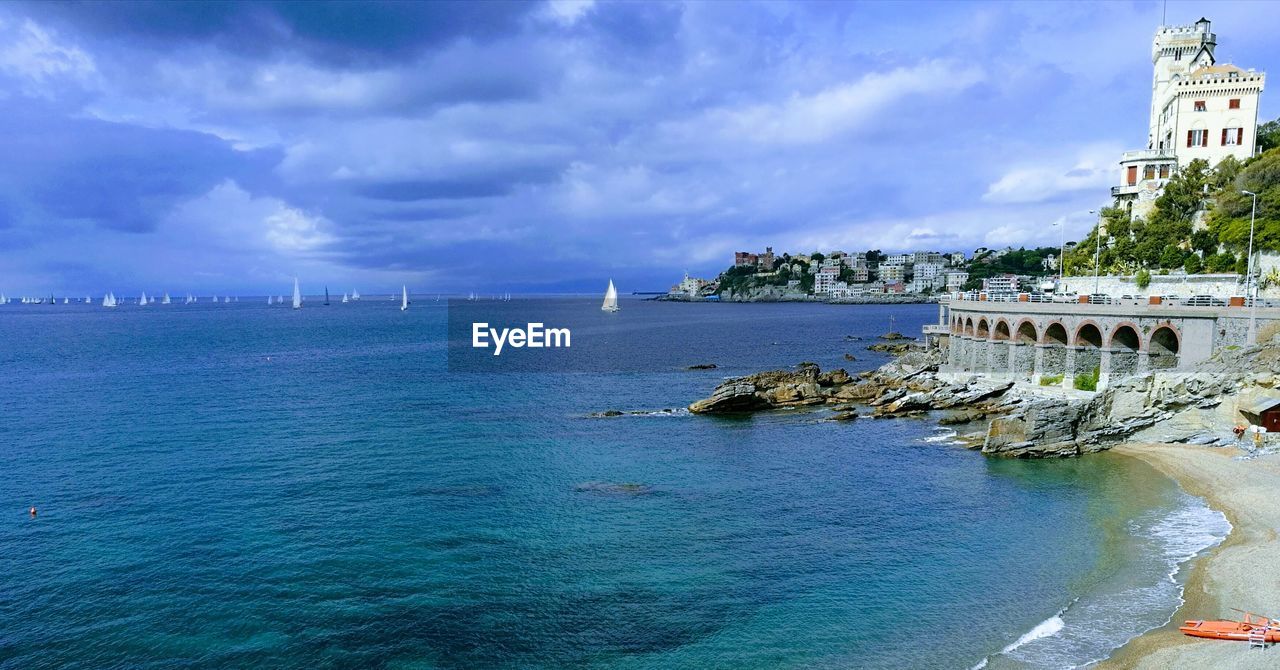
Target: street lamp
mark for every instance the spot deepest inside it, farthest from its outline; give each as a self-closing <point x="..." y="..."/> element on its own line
<point x="1248" y="280"/>
<point x="1062" y="250"/>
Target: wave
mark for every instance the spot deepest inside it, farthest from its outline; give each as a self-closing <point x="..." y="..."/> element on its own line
<point x="1045" y="628"/>
<point x="1097" y="623"/>
<point x="943" y="435"/>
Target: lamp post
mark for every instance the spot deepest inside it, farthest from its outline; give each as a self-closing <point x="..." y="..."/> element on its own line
<point x="1062" y="250"/>
<point x="1097" y="252"/>
<point x="1251" y="288"/>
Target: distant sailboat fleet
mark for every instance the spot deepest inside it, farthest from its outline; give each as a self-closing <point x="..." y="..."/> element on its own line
<point x="110" y="300"/>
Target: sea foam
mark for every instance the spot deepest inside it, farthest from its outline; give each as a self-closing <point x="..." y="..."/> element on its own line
<point x="1096" y="623"/>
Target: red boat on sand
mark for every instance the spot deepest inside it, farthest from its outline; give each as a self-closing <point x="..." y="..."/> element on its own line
<point x="1254" y="628"/>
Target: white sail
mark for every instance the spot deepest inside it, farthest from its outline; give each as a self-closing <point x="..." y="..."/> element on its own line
<point x="226" y="300"/>
<point x="280" y="299"/>
<point x="610" y="299"/>
<point x="143" y="299"/>
<point x="297" y="295"/>
<point x="404" y="298"/>
<point x="344" y="298"/>
<point x="355" y="295"/>
<point x="66" y="301"/>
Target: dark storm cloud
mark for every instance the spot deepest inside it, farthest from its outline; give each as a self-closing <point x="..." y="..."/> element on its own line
<point x="115" y="176"/>
<point x="338" y="33"/>
<point x="544" y="145"/>
<point x="499" y="181"/>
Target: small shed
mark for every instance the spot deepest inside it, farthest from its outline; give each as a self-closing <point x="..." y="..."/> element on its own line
<point x="1265" y="413"/>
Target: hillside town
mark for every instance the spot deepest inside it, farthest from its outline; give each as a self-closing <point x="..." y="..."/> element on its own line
<point x="866" y="275"/>
<point x="1180" y="224"/>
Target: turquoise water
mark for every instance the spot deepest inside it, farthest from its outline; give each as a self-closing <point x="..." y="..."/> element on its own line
<point x="233" y="485"/>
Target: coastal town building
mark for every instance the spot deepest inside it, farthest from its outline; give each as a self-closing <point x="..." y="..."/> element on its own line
<point x="898" y="259"/>
<point x="1001" y="284"/>
<point x="1200" y="109"/>
<point x="825" y="280"/>
<point x="892" y="272"/>
<point x="928" y="270"/>
<point x="919" y="257"/>
<point x="957" y="259"/>
<point x="956" y="279"/>
<point x="745" y="259"/>
<point x="861" y="273"/>
<point x="765" y="260"/>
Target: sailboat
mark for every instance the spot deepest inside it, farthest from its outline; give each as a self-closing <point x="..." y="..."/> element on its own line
<point x="355" y="295"/>
<point x="66" y="301"/>
<point x="326" y="296"/>
<point x="344" y="298"/>
<point x="226" y="300"/>
<point x="610" y="299"/>
<point x="109" y="300"/>
<point x="215" y="297"/>
<point x="270" y="300"/>
<point x="280" y="300"/>
<point x="297" y="295"/>
<point x="143" y="299"/>
<point x="404" y="298"/>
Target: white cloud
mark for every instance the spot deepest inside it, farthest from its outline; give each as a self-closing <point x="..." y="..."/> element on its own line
<point x="833" y="111"/>
<point x="1093" y="168"/>
<point x="35" y="53"/>
<point x="232" y="219"/>
<point x="567" y="12"/>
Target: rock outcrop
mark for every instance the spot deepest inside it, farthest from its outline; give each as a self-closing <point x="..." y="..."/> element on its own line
<point x="1024" y="421"/>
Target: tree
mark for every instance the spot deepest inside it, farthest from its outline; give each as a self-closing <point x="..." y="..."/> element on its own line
<point x="1192" y="265"/>
<point x="1171" y="257"/>
<point x="1223" y="262"/>
<point x="1269" y="135"/>
<point x="1143" y="279"/>
<point x="1229" y="219"/>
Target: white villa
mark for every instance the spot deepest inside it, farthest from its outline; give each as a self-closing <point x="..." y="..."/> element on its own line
<point x="1199" y="109"/>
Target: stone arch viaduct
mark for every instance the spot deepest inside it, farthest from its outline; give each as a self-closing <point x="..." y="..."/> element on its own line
<point x="1035" y="340"/>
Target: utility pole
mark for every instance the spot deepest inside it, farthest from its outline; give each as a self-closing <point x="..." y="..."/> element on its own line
<point x="1251" y="287"/>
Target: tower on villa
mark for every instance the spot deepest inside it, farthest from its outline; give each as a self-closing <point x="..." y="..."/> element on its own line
<point x="1199" y="109"/>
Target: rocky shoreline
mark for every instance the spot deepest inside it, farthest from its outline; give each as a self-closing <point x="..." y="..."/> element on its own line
<point x="1020" y="420"/>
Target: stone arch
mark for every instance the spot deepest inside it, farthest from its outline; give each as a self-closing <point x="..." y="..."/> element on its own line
<point x="968" y="326"/>
<point x="1125" y="343"/>
<point x="984" y="329"/>
<point x="1164" y="345"/>
<point x="1002" y="330"/>
<point x="1125" y="337"/>
<point x="1088" y="334"/>
<point x="1055" y="333"/>
<point x="1027" y="333"/>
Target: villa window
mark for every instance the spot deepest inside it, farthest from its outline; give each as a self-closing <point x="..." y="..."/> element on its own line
<point x="1149" y="172"/>
<point x="1234" y="103"/>
<point x="1232" y="136"/>
<point x="1177" y="54"/>
<point x="1164" y="171"/>
<point x="1198" y="138"/>
<point x="1199" y="106"/>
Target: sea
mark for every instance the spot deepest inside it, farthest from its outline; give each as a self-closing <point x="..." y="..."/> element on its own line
<point x="243" y="485"/>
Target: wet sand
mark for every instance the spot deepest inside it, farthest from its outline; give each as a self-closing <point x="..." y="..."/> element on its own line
<point x="1241" y="572"/>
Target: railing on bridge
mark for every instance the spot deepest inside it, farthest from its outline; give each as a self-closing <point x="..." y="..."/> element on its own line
<point x="1103" y="299"/>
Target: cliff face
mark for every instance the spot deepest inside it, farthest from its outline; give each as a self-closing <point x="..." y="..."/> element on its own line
<point x="1022" y="421"/>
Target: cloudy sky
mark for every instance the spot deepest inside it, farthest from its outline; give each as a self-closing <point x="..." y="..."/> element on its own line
<point x="548" y="146"/>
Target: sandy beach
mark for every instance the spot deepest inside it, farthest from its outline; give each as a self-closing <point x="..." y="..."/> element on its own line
<point x="1239" y="573"/>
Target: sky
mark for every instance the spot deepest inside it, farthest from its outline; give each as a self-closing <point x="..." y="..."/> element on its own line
<point x="549" y="146"/>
